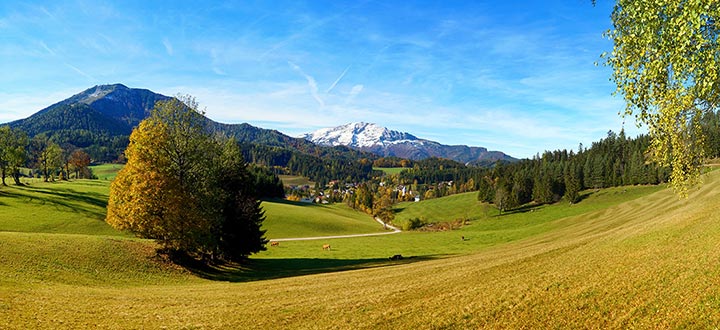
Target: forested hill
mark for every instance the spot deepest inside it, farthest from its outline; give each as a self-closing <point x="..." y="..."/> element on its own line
<point x="100" y="119"/>
<point x="616" y="160"/>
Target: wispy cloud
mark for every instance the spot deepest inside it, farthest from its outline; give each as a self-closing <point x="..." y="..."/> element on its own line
<point x="312" y="84"/>
<point x="80" y="72"/>
<point x="168" y="46"/>
<point x="353" y="93"/>
<point x="48" y="49"/>
<point x="215" y="57"/>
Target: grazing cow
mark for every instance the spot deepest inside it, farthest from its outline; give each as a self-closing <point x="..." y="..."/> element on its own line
<point x="326" y="246"/>
<point x="274" y="243"/>
<point x="397" y="257"/>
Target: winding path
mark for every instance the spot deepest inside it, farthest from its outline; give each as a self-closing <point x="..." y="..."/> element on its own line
<point x="395" y="230"/>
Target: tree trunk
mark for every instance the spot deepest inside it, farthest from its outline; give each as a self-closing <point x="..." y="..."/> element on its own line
<point x="16" y="177"/>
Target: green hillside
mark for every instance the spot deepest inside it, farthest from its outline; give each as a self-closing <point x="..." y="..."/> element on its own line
<point x="76" y="207"/>
<point x="635" y="257"/>
<point x="294" y="219"/>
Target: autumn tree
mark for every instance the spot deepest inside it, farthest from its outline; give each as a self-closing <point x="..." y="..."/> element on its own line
<point x="80" y="162"/>
<point x="665" y="61"/>
<point x="186" y="188"/>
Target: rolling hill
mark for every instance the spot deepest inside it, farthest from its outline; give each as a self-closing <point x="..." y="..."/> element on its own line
<point x="635" y="258"/>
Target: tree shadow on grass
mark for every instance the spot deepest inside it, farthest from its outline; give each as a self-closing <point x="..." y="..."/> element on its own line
<point x="265" y="269"/>
<point x="534" y="207"/>
<point x="79" y="202"/>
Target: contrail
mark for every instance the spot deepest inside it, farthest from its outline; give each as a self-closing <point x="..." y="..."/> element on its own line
<point x="337" y="80"/>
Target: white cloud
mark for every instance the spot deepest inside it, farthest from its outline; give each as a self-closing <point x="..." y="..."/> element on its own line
<point x="312" y="84"/>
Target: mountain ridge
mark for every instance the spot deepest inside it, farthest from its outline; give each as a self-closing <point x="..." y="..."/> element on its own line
<point x="385" y="142"/>
<point x="102" y="117"/>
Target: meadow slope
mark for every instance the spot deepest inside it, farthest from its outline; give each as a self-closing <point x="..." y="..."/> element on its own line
<point x="650" y="262"/>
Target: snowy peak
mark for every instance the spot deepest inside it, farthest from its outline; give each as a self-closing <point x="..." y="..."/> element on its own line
<point x="385" y="142"/>
<point x="358" y="135"/>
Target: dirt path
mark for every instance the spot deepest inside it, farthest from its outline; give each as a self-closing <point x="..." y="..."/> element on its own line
<point x="394" y="229"/>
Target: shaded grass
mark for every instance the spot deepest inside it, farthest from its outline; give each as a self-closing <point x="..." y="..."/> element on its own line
<point x="265" y="269"/>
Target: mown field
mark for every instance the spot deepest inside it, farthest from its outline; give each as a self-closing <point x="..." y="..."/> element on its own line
<point x="390" y="170"/>
<point x="106" y="171"/>
<point x="635" y="257"/>
<point x="295" y="219"/>
<point x="295" y="180"/>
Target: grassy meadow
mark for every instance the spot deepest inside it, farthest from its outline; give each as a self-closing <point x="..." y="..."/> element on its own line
<point x="106" y="171"/>
<point x="295" y="219"/>
<point x="390" y="170"/>
<point x="634" y="257"/>
<point x="296" y="180"/>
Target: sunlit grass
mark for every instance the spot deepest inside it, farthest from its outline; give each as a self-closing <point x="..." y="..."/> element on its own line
<point x="390" y="170"/>
<point x="295" y="180"/>
<point x="635" y="257"/>
<point x="106" y="171"/>
<point x="295" y="219"/>
<point x="75" y="207"/>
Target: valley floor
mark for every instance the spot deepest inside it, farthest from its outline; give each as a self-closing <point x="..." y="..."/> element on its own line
<point x="650" y="262"/>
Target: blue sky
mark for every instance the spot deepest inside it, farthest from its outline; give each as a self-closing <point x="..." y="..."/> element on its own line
<point x="514" y="76"/>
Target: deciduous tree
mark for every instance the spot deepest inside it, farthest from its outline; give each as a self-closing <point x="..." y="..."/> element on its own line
<point x="666" y="58"/>
<point x="186" y="188"/>
<point x="13" y="152"/>
<point x="80" y="160"/>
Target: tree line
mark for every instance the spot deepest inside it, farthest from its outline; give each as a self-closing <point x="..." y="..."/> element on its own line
<point x="613" y="161"/>
<point x="325" y="165"/>
<point x="48" y="157"/>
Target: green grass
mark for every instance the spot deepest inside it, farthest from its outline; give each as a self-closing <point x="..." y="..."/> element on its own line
<point x="294" y="219"/>
<point x="106" y="171"/>
<point x="635" y="257"/>
<point x="295" y="180"/>
<point x="485" y="217"/>
<point x="390" y="170"/>
<point x="32" y="259"/>
<point x="76" y="207"/>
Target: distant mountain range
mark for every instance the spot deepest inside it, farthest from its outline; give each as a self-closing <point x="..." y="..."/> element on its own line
<point x="100" y="120"/>
<point x="385" y="142"/>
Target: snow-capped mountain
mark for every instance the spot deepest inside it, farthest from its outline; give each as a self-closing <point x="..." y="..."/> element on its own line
<point x="358" y="135"/>
<point x="385" y="142"/>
